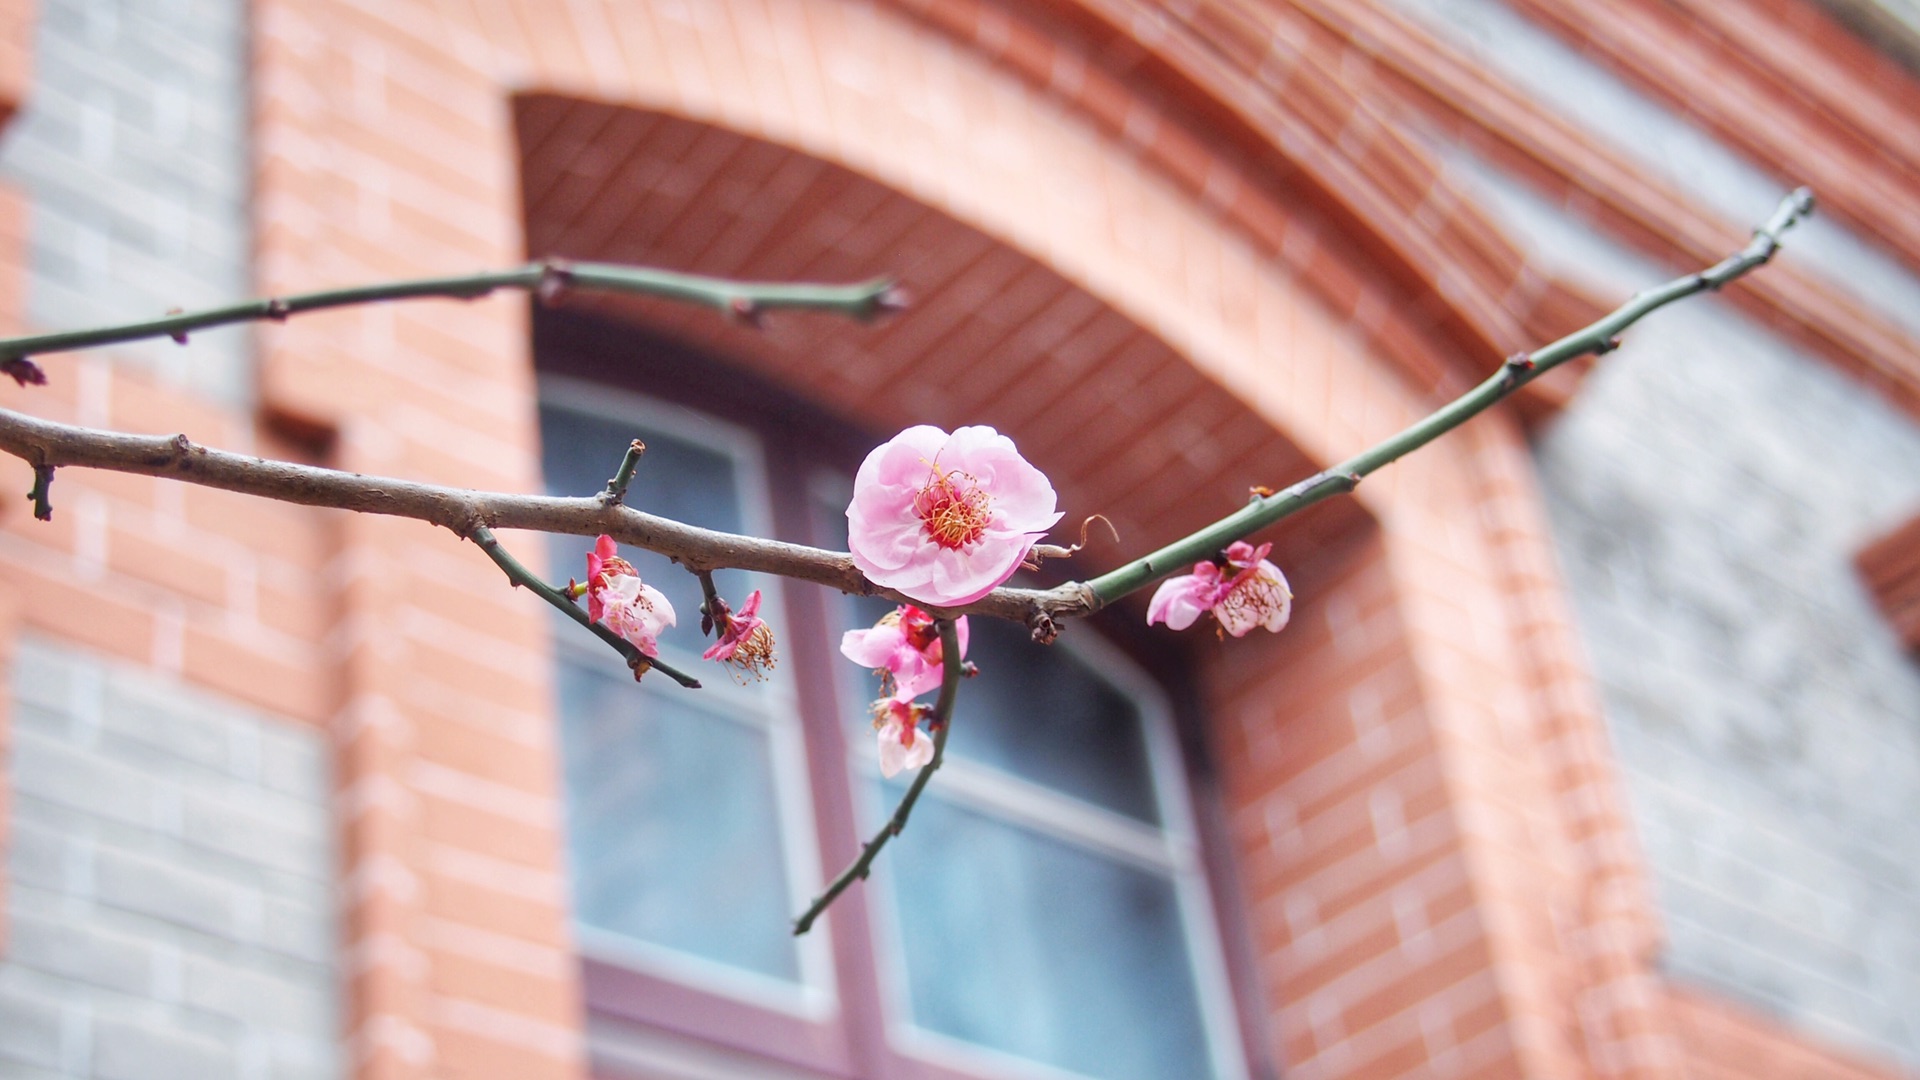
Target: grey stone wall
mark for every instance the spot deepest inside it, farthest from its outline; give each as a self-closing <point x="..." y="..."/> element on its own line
<point x="1707" y="490"/>
<point x="131" y="151"/>
<point x="169" y="885"/>
<point x="1666" y="145"/>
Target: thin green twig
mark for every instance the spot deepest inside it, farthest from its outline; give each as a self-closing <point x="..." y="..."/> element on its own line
<point x="940" y="721"/>
<point x="1600" y="337"/>
<point x="640" y="662"/>
<point x="548" y="280"/>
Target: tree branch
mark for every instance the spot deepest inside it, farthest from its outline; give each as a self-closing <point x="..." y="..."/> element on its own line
<point x="938" y="722"/>
<point x="45" y="444"/>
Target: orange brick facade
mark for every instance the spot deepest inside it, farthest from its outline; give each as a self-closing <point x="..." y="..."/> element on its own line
<point x="1179" y="251"/>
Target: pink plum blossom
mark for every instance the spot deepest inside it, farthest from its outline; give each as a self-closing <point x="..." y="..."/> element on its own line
<point x="1180" y="600"/>
<point x="1255" y="595"/>
<point x="945" y="518"/>
<point x="902" y="744"/>
<point x="904" y="648"/>
<point x="746" y="642"/>
<point x="620" y="601"/>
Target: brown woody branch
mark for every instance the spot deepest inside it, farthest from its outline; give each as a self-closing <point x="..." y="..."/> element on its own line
<point x="47" y="444"/>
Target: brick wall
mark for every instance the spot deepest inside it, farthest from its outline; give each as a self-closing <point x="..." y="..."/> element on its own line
<point x="171" y="881"/>
<point x="1708" y="490"/>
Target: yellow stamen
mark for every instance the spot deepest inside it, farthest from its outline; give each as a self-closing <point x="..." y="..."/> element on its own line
<point x="952" y="508"/>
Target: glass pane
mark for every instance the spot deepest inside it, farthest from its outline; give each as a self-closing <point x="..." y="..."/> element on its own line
<point x="1030" y="946"/>
<point x="678" y="478"/>
<point x="672" y="828"/>
<point x="1042" y="714"/>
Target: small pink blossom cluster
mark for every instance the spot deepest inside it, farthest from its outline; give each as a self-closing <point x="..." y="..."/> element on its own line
<point x="620" y="601"/>
<point x="904" y="649"/>
<point x="746" y="642"/>
<point x="1248" y="592"/>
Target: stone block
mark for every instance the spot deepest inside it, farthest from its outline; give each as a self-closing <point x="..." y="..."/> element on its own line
<point x="74" y="949"/>
<point x="259" y="828"/>
<point x="258" y="999"/>
<point x="61" y="774"/>
<point x="29" y="1031"/>
<point x="129" y="1048"/>
<point x="162" y="890"/>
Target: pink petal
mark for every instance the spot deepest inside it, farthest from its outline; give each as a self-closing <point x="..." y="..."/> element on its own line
<point x="603" y="549"/>
<point x="878" y="647"/>
<point x="895" y="757"/>
<point x="1180" y="600"/>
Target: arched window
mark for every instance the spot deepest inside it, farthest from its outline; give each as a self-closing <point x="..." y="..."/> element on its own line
<point x="1046" y="914"/>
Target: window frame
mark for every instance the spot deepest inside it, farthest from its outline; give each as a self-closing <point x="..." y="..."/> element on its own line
<point x="642" y="980"/>
<point x="862" y="1027"/>
<point x="1173" y="849"/>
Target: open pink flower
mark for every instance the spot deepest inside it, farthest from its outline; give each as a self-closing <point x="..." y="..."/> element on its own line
<point x="1180" y="600"/>
<point x="746" y="642"/>
<point x="1255" y="595"/>
<point x="619" y="600"/>
<point x="902" y="744"/>
<point x="946" y="518"/>
<point x="904" y="647"/>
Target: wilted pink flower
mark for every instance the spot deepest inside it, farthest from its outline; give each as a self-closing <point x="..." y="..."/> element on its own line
<point x="904" y="647"/>
<point x="1255" y="595"/>
<point x="746" y="642"/>
<point x="946" y="518"/>
<point x="619" y="600"/>
<point x="902" y="744"/>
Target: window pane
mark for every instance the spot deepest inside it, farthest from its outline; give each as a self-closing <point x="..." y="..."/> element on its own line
<point x="671" y="823"/>
<point x="1042" y="714"/>
<point x="678" y="478"/>
<point x="1030" y="946"/>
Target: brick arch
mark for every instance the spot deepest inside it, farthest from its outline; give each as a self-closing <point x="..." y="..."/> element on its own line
<point x="1424" y="729"/>
<point x="1123" y="422"/>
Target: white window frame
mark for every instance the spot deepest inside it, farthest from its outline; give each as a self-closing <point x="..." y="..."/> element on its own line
<point x="771" y="706"/>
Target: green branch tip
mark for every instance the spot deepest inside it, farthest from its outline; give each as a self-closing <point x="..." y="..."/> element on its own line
<point x="1516" y="371"/>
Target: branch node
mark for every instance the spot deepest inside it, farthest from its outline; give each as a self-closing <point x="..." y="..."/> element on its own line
<point x="556" y="276"/>
<point x="714" y="612"/>
<point x="893" y="299"/>
<point x="742" y="309"/>
<point x="277" y="309"/>
<point x="616" y="492"/>
<point x="179" y="336"/>
<point x="24" y="371"/>
<point x="1608" y="345"/>
<point x="42" y="492"/>
<point x="1042" y="627"/>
